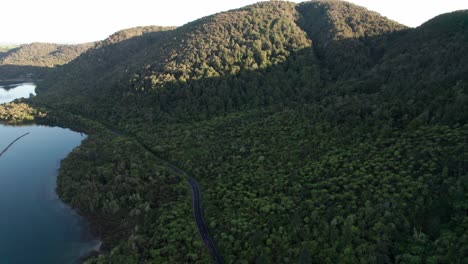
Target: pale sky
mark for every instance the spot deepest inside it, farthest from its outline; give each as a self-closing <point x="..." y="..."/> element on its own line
<point x="78" y="21"/>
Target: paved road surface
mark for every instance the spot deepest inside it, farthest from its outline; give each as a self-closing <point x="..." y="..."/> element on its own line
<point x="196" y="197"/>
<point x="197" y="211"/>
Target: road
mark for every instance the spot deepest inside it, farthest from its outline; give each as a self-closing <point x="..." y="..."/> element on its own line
<point x="202" y="229"/>
<point x="196" y="196"/>
<point x="196" y="203"/>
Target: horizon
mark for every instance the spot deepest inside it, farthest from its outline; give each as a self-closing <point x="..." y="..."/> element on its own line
<point x="103" y="20"/>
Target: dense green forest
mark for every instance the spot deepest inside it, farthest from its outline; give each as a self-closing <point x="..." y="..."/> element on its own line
<point x="320" y="132"/>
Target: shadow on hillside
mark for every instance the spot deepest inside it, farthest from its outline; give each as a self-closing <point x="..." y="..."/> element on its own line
<point x="347" y="79"/>
<point x="15" y="73"/>
<point x="303" y="78"/>
<point x="105" y="55"/>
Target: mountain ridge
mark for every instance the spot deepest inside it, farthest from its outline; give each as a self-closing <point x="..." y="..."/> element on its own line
<point x="319" y="132"/>
<point x="35" y="59"/>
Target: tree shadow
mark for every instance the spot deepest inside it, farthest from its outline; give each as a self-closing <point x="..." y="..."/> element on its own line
<point x="347" y="78"/>
<point x="21" y="73"/>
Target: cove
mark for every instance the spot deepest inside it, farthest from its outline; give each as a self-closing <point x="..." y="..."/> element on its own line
<point x="35" y="225"/>
<point x="13" y="91"/>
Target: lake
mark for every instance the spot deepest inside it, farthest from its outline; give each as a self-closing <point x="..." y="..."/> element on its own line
<point x="12" y="91"/>
<point x="35" y="225"/>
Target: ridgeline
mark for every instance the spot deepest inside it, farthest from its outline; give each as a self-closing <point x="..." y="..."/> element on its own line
<point x="33" y="61"/>
<point x="319" y="132"/>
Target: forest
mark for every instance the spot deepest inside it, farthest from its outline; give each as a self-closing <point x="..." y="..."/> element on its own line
<point x="320" y="132"/>
<point x="18" y="112"/>
<point x="32" y="61"/>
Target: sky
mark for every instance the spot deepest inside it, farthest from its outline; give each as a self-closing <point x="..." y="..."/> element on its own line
<point x="79" y="21"/>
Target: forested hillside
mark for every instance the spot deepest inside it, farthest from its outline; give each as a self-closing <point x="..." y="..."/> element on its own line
<point x="33" y="60"/>
<point x="107" y="60"/>
<point x="320" y="132"/>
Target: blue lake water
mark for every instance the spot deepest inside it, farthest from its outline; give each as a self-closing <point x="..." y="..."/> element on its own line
<point x="35" y="225"/>
<point x="10" y="92"/>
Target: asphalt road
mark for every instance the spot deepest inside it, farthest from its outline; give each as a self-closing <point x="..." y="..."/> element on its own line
<point x="197" y="211"/>
<point x="196" y="196"/>
<point x="202" y="229"/>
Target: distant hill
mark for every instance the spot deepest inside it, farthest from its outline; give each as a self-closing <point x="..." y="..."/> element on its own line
<point x="33" y="59"/>
<point x="4" y="48"/>
<point x="320" y="132"/>
<point x="109" y="58"/>
<point x="36" y="59"/>
<point x="43" y="54"/>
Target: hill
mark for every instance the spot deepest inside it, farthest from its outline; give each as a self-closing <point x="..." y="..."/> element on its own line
<point x="4" y="48"/>
<point x="108" y="59"/>
<point x="43" y="54"/>
<point x="320" y="132"/>
<point x="34" y="59"/>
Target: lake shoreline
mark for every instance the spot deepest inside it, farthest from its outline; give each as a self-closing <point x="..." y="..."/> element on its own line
<point x="78" y="231"/>
<point x="99" y="226"/>
<point x="18" y="80"/>
<point x="67" y="234"/>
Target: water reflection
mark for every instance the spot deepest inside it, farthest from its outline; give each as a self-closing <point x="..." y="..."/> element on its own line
<point x="11" y="92"/>
<point x="35" y="225"/>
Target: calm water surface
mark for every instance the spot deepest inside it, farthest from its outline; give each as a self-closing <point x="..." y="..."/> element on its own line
<point x="11" y="92"/>
<point x="35" y="225"/>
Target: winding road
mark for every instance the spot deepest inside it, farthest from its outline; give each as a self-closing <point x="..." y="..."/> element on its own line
<point x="196" y="196"/>
<point x="196" y="202"/>
<point x="202" y="229"/>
